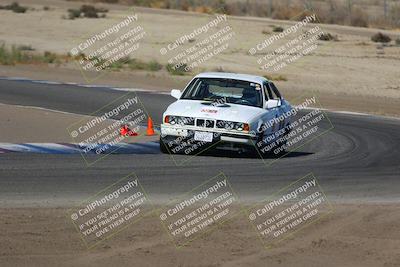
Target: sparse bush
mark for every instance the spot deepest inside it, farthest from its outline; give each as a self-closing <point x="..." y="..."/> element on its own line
<point x="395" y="15"/>
<point x="284" y="12"/>
<point x="25" y="48"/>
<point x="74" y="13"/>
<point x="11" y="56"/>
<point x="5" y="58"/>
<point x="49" y="57"/>
<point x="154" y="65"/>
<point x="135" y="64"/>
<point x="46" y="8"/>
<point x="110" y="1"/>
<point x="362" y="43"/>
<point x="117" y="65"/>
<point x="79" y="56"/>
<point x="219" y="69"/>
<point x="265" y="32"/>
<point x="180" y="70"/>
<point x="87" y="11"/>
<point x="358" y="18"/>
<point x="203" y="9"/>
<point x="15" y="7"/>
<point x="20" y="54"/>
<point x="90" y="14"/>
<point x="327" y="37"/>
<point x="398" y="41"/>
<point x="277" y="29"/>
<point x="380" y="38"/>
<point x="275" y="77"/>
<point x="200" y="6"/>
<point x="336" y="15"/>
<point x="328" y="11"/>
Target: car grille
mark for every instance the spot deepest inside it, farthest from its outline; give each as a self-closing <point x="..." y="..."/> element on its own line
<point x="205" y="123"/>
<point x="185" y="120"/>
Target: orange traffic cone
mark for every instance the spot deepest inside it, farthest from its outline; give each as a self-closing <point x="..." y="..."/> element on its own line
<point x="150" y="129"/>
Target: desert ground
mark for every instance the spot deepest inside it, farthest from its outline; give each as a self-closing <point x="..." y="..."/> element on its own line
<point x="350" y="74"/>
<point x="353" y="235"/>
<point x="22" y="124"/>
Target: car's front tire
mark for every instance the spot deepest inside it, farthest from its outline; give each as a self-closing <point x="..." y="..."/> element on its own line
<point x="163" y="147"/>
<point x="282" y="152"/>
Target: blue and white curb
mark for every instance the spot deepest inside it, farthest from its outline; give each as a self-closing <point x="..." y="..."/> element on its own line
<point x="64" y="148"/>
<point x="127" y="89"/>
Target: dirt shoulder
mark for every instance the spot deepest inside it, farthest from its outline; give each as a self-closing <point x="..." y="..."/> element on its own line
<point x="339" y="101"/>
<point x="352" y="73"/>
<point x="35" y="125"/>
<point x="353" y="235"/>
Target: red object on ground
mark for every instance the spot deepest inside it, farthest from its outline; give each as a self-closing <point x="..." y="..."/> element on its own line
<point x="132" y="133"/>
<point x="150" y="128"/>
<point x="126" y="131"/>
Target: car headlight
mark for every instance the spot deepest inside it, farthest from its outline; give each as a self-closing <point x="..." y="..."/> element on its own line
<point x="170" y="119"/>
<point x="179" y="120"/>
<point x="230" y="125"/>
<point x="239" y="126"/>
<point x="227" y="125"/>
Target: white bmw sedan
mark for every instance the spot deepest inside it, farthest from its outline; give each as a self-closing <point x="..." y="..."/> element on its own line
<point x="227" y="109"/>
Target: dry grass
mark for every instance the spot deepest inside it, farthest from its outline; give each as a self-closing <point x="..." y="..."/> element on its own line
<point x="87" y="11"/>
<point x="275" y="77"/>
<point x="366" y="13"/>
<point x="15" y="7"/>
<point x="381" y="38"/>
<point x="23" y="55"/>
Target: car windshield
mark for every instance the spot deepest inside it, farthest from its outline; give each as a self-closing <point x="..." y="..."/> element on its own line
<point x="223" y="91"/>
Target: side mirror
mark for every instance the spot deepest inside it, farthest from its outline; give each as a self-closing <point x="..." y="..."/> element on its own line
<point x="272" y="103"/>
<point x="176" y="93"/>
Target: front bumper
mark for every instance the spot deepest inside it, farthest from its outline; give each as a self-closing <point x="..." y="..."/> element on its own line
<point x="220" y="135"/>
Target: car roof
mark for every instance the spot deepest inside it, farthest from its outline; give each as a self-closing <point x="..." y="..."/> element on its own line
<point x="234" y="76"/>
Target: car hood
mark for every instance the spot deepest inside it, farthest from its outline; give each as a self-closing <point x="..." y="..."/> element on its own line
<point x="229" y="112"/>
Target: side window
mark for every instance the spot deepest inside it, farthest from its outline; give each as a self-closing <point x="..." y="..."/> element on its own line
<point x="267" y="92"/>
<point x="274" y="91"/>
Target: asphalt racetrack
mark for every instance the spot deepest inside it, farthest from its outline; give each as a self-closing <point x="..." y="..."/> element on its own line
<point x="358" y="160"/>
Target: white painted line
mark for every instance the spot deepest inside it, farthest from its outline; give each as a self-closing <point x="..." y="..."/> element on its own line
<point x="60" y="148"/>
<point x="127" y="89"/>
<point x="46" y="82"/>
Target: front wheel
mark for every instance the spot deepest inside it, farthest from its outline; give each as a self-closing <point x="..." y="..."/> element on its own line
<point x="268" y="148"/>
<point x="163" y="147"/>
<point x="284" y="150"/>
